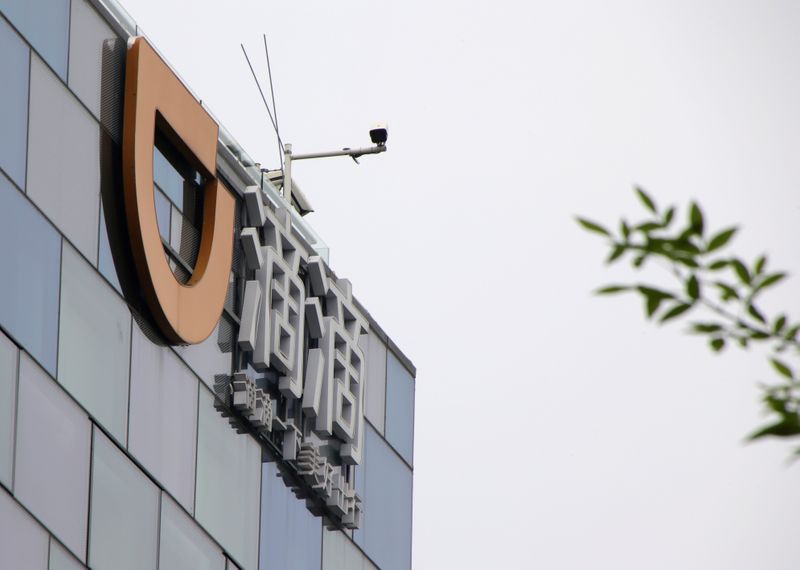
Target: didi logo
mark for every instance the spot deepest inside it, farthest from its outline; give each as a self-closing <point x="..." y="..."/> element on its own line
<point x="156" y="99"/>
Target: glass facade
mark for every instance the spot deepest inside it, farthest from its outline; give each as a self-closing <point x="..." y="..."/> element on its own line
<point x="51" y="471"/>
<point x="14" y="67"/>
<point x="290" y="535"/>
<point x="29" y="281"/>
<point x="117" y="450"/>
<point x="124" y="515"/>
<point x="8" y="410"/>
<point x="94" y="344"/>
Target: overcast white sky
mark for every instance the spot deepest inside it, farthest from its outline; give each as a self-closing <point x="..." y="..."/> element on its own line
<point x="554" y="429"/>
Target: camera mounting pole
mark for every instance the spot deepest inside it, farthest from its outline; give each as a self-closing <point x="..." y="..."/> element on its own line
<point x="288" y="157"/>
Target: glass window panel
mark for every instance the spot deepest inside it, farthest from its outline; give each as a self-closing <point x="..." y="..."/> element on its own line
<point x="386" y="534"/>
<point x="163" y="416"/>
<point x="64" y="160"/>
<point x="45" y="24"/>
<point x="14" y="110"/>
<point x="61" y="559"/>
<point x="183" y="544"/>
<point x="29" y="280"/>
<point x="26" y="546"/>
<point x="228" y="483"/>
<point x="290" y="534"/>
<point x="51" y="472"/>
<point x="96" y="61"/>
<point x="168" y="179"/>
<point x="105" y="261"/>
<point x="94" y="350"/>
<point x="8" y="406"/>
<point x="339" y="553"/>
<point x="376" y="382"/>
<point x="400" y="408"/>
<point x="124" y="512"/>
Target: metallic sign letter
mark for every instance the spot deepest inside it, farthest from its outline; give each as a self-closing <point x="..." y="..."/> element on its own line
<point x="154" y="96"/>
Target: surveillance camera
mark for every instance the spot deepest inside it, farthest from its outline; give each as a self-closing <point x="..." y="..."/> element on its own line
<point x="379" y="134"/>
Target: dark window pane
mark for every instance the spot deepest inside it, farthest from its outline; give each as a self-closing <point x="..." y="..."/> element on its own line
<point x="45" y="24"/>
<point x="31" y="252"/>
<point x="14" y="110"/>
<point x="290" y="534"/>
<point x="400" y="408"/>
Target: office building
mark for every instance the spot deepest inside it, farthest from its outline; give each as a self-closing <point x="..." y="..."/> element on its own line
<point x="185" y="382"/>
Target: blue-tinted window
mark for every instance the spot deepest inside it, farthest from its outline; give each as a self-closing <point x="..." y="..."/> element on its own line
<point x="291" y="537"/>
<point x="45" y="24"/>
<point x="400" y="408"/>
<point x="14" y="109"/>
<point x="168" y="178"/>
<point x="31" y="252"/>
<point x="386" y="529"/>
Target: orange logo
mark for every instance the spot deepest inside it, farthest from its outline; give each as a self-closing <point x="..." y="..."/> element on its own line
<point x="155" y="97"/>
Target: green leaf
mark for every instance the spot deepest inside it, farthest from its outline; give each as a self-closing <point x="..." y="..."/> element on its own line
<point x="675" y="311"/>
<point x="693" y="287"/>
<point x="780" y="324"/>
<point x="787" y="427"/>
<point x="717" y="344"/>
<point x="612" y="289"/>
<point x="639" y="261"/>
<point x="648" y="227"/>
<point x="646" y="200"/>
<point x="706" y="327"/>
<point x="741" y="271"/>
<point x="624" y="229"/>
<point x="653" y="298"/>
<point x="668" y="216"/>
<point x="782" y="369"/>
<point x="755" y="313"/>
<point x="721" y="239"/>
<point x="792" y="333"/>
<point x="616" y="253"/>
<point x="696" y="218"/>
<point x="726" y="291"/>
<point x="770" y="281"/>
<point x="593" y="227"/>
<point x="719" y="264"/>
<point x="761" y="262"/>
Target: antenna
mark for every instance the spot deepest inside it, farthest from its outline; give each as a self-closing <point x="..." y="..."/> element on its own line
<point x="378" y="135"/>
<point x="264" y="99"/>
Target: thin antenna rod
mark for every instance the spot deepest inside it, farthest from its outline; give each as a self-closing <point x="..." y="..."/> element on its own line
<point x="271" y="88"/>
<point x="264" y="99"/>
